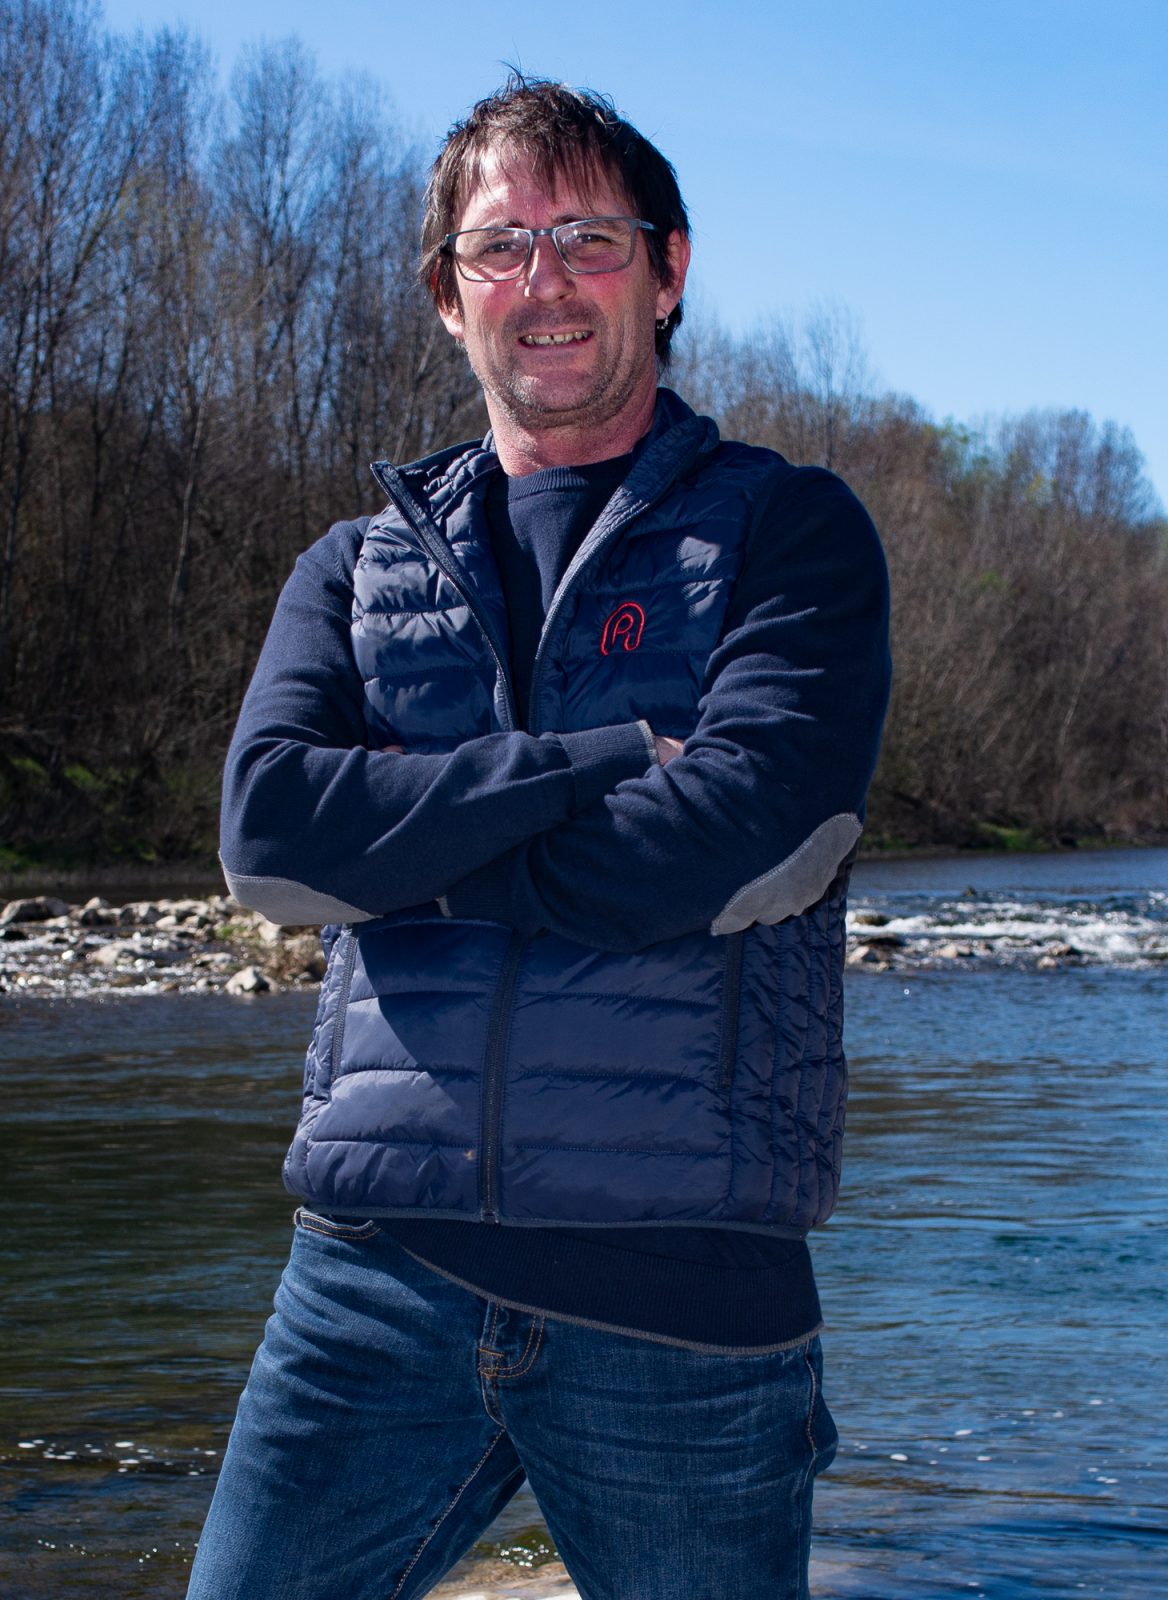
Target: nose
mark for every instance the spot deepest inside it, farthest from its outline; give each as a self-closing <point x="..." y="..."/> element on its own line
<point x="546" y="277"/>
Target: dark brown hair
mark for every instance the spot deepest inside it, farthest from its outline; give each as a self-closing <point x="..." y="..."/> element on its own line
<point x="562" y="134"/>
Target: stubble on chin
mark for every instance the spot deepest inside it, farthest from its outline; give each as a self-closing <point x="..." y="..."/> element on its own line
<point x="536" y="403"/>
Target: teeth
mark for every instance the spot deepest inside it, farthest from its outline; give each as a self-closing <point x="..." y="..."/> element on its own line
<point x="551" y="338"/>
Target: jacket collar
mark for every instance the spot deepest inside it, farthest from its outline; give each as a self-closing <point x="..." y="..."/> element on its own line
<point x="676" y="437"/>
<point x="670" y="414"/>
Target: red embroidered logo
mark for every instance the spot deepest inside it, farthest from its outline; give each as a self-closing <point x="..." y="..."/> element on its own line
<point x="624" y="628"/>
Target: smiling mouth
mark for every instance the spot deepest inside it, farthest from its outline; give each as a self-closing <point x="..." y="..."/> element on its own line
<point x="576" y="337"/>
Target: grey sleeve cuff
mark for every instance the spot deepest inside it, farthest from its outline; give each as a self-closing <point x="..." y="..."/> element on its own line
<point x="797" y="882"/>
<point x="291" y="904"/>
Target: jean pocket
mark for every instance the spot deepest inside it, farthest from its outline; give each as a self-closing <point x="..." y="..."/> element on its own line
<point x="822" y="1434"/>
<point x="350" y="1232"/>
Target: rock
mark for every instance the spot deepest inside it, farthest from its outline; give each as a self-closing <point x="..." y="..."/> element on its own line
<point x="270" y="932"/>
<point x="480" y="1579"/>
<point x="139" y="913"/>
<point x="97" y="913"/>
<point x="1062" y="951"/>
<point x="39" y="909"/>
<point x="863" y="956"/>
<point x="297" y="958"/>
<point x="1047" y="964"/>
<point x="248" y="980"/>
<point x="184" y="910"/>
<point x="117" y="950"/>
<point x="108" y="955"/>
<point x="869" y="919"/>
<point x="955" y="952"/>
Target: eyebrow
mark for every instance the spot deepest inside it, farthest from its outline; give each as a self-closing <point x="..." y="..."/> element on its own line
<point x="560" y="218"/>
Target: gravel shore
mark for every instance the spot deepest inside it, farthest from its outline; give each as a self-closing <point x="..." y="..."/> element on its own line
<point x="210" y="944"/>
<point x="497" y="1580"/>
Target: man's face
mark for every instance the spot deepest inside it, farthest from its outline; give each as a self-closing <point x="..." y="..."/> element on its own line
<point x="554" y="349"/>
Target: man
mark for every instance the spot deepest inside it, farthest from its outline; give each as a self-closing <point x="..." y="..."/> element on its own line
<point x="568" y="746"/>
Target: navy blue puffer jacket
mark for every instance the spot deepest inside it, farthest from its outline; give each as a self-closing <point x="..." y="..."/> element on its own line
<point x="476" y="1070"/>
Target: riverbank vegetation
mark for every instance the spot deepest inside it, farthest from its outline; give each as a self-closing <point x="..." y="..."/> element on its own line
<point x="208" y="327"/>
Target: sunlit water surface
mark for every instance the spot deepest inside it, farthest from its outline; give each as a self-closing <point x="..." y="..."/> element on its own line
<point x="994" y="1280"/>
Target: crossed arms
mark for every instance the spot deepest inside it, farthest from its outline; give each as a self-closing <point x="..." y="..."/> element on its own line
<point x="587" y="834"/>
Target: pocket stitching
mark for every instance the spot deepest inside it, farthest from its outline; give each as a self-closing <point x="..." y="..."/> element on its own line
<point x="328" y="1228"/>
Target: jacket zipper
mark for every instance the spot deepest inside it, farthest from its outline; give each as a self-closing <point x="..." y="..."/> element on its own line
<point x="444" y="558"/>
<point x="494" y="1071"/>
<point x="342" y="1010"/>
<point x="731" y="1004"/>
<point x="499" y="1024"/>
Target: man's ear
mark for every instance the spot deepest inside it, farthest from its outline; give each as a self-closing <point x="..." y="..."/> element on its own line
<point x="677" y="253"/>
<point x="451" y="314"/>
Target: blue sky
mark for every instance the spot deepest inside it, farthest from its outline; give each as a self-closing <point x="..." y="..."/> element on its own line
<point x="983" y="184"/>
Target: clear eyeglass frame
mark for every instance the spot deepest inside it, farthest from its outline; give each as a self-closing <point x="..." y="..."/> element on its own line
<point x="484" y="271"/>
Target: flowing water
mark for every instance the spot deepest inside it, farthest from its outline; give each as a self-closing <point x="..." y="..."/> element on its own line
<point x="994" y="1280"/>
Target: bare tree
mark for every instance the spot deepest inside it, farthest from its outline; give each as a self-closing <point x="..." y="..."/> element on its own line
<point x="209" y="325"/>
<point x="1030" y="586"/>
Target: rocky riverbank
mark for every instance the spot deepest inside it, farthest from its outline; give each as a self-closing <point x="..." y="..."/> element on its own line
<point x="497" y="1580"/>
<point x="210" y="944"/>
<point x="478" y="1579"/>
<point x="162" y="946"/>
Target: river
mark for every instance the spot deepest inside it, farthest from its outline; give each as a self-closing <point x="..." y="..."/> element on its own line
<point x="994" y="1279"/>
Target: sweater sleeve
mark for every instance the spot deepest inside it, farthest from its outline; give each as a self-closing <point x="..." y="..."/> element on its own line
<point x="316" y="827"/>
<point x="752" y="821"/>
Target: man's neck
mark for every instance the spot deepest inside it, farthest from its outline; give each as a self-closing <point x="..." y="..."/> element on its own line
<point x="523" y="450"/>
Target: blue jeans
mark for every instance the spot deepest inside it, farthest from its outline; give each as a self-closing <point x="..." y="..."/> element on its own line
<point x="390" y="1415"/>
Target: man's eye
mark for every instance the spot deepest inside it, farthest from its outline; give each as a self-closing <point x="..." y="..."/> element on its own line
<point x="501" y="244"/>
<point x="592" y="233"/>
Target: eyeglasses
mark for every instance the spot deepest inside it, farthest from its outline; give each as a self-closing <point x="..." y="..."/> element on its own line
<point x="594" y="244"/>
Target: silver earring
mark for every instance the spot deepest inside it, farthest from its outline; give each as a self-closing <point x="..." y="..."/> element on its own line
<point x="661" y="324"/>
